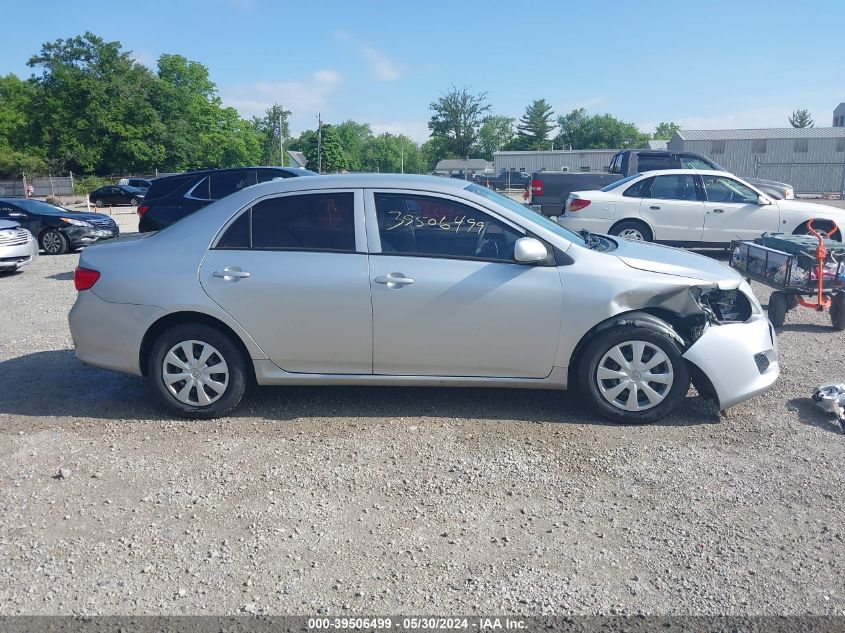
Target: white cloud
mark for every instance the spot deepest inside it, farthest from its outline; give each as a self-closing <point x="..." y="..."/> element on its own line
<point x="381" y="65"/>
<point x="417" y="131"/>
<point x="145" y="58"/>
<point x="303" y="98"/>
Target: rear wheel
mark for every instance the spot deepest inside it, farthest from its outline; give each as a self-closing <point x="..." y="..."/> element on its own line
<point x="54" y="242"/>
<point x="632" y="230"/>
<point x="99" y="203"/>
<point x="633" y="375"/>
<point x="197" y="371"/>
<point x="837" y="311"/>
<point x="778" y="306"/>
<point x="135" y="202"/>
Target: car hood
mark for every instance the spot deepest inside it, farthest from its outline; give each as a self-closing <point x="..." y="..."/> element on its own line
<point x="774" y="183"/>
<point x="823" y="210"/>
<point x="8" y="224"/>
<point x="673" y="261"/>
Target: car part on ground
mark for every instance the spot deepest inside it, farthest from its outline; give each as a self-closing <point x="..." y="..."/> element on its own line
<point x="831" y="398"/>
<point x="517" y="301"/>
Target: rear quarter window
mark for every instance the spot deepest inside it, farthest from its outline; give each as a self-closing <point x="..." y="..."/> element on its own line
<point x="165" y="186"/>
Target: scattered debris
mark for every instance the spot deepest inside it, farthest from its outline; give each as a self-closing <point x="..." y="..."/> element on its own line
<point x="831" y="398"/>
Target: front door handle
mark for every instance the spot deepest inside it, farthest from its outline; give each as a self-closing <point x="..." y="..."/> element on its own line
<point x="394" y="280"/>
<point x="230" y="273"/>
<point x="718" y="210"/>
<point x="654" y="207"/>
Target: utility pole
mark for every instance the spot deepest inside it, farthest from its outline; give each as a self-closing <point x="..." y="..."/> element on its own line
<point x="402" y="154"/>
<point x="281" y="144"/>
<point x="319" y="144"/>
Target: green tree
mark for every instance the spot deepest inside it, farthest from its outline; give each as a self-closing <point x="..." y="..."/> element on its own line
<point x="535" y="126"/>
<point x="665" y="131"/>
<point x="578" y="130"/>
<point x="801" y="118"/>
<point x="92" y="109"/>
<point x="456" y="120"/>
<point x="434" y="150"/>
<point x="271" y="130"/>
<point x="354" y="138"/>
<point x="390" y="153"/>
<point x="495" y="133"/>
<point x="331" y="158"/>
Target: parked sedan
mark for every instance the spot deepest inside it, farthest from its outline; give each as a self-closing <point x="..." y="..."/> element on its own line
<point x="17" y="246"/>
<point x="413" y="280"/>
<point x="57" y="230"/>
<point x="701" y="208"/>
<point x="116" y="195"/>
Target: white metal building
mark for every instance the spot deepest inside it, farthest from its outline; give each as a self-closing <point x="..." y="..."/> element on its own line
<point x="554" y="160"/>
<point x="812" y="159"/>
<point x="839" y="116"/>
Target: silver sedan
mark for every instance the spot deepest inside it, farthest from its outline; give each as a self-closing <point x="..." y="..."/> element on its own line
<point x="410" y="280"/>
<point x="17" y="246"/>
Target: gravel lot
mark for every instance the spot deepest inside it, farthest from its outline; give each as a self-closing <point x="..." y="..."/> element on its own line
<point x="414" y="501"/>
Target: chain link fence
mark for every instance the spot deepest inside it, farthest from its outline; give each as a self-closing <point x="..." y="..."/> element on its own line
<point x="823" y="179"/>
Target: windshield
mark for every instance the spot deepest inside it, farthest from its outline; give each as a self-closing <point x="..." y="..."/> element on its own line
<point x="525" y="212"/>
<point x="39" y="208"/>
<point x="616" y="183"/>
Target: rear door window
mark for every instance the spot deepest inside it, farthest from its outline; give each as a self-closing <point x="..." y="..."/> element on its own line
<point x="673" y="187"/>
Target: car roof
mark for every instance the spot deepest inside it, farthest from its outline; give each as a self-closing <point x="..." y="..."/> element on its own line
<point x="703" y="172"/>
<point x="226" y="170"/>
<point x="370" y="181"/>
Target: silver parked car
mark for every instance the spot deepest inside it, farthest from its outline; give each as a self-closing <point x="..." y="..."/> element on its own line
<point x="17" y="246"/>
<point x="413" y="280"/>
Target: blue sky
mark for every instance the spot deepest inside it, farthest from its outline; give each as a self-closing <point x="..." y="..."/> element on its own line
<point x="706" y="64"/>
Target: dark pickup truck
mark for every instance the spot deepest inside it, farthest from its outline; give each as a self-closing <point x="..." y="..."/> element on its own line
<point x="550" y="189"/>
<point x="505" y="180"/>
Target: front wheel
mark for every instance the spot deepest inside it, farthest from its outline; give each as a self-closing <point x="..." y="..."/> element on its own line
<point x="99" y="203"/>
<point x="633" y="375"/>
<point x="197" y="371"/>
<point x="54" y="242"/>
<point x="632" y="230"/>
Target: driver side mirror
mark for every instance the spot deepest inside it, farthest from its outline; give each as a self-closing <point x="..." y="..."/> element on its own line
<point x="762" y="201"/>
<point x="529" y="250"/>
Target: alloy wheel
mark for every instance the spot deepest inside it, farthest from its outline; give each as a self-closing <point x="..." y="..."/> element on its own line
<point x="195" y="373"/>
<point x="634" y="375"/>
<point x="52" y="242"/>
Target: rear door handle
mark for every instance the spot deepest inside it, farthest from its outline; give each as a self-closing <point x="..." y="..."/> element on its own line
<point x="230" y="273"/>
<point x="394" y="280"/>
<point x="654" y="207"/>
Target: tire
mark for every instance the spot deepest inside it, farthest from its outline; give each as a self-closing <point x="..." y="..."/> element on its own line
<point x="837" y="311"/>
<point x="791" y="301"/>
<point x="195" y="400"/>
<point x="632" y="230"/>
<point x="54" y="242"/>
<point x="819" y="225"/>
<point x="135" y="202"/>
<point x="99" y="203"/>
<point x="614" y="401"/>
<point x="778" y="306"/>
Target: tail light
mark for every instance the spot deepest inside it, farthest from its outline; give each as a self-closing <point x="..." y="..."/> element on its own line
<point x="577" y="204"/>
<point x="85" y="278"/>
<point x="142" y="209"/>
<point x="537" y="187"/>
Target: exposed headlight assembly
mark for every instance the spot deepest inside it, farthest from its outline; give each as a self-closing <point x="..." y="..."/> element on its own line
<point x="725" y="306"/>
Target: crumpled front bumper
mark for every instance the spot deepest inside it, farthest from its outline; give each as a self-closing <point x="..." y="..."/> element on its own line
<point x="739" y="359"/>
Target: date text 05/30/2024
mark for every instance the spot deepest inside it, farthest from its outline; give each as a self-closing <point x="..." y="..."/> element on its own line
<point x="417" y="623"/>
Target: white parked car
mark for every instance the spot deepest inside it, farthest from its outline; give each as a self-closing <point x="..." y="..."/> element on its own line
<point x="689" y="208"/>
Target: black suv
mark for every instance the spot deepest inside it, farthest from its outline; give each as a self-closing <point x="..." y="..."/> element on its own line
<point x="171" y="198"/>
